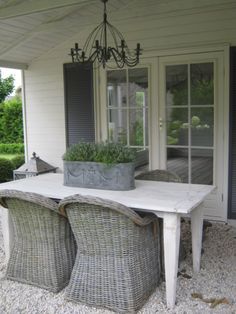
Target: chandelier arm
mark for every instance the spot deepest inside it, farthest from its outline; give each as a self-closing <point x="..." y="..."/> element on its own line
<point x="113" y="33"/>
<point x="92" y="57"/>
<point x="124" y="60"/>
<point x="120" y="62"/>
<point x="116" y="55"/>
<point x="131" y="61"/>
<point x="116" y="31"/>
<point x="124" y="46"/>
<point x="127" y="59"/>
<point x="95" y="31"/>
<point x="102" y="39"/>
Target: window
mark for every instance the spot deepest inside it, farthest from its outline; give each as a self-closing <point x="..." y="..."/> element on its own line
<point x="127" y="107"/>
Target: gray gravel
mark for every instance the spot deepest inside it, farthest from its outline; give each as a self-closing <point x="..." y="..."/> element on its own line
<point x="217" y="279"/>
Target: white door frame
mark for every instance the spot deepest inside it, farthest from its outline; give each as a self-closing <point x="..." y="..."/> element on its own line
<point x="220" y="125"/>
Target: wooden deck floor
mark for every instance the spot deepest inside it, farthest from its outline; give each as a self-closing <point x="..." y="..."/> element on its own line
<point x="202" y="169"/>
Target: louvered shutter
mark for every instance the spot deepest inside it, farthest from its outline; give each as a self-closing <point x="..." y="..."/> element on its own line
<point x="79" y="103"/>
<point x="232" y="137"/>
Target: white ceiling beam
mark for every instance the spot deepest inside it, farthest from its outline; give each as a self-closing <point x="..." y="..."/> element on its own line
<point x="35" y="6"/>
<point x="13" y="65"/>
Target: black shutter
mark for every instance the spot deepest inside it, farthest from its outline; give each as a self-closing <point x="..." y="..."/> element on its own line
<point x="79" y="103"/>
<point x="232" y="137"/>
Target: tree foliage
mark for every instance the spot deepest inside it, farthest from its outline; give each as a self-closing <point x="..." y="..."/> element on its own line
<point x="6" y="168"/>
<point x="6" y="87"/>
<point x="11" y="121"/>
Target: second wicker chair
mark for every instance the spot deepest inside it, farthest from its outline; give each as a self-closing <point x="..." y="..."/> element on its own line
<point x="117" y="264"/>
<point x="159" y="175"/>
<point x="44" y="249"/>
<point x="164" y="176"/>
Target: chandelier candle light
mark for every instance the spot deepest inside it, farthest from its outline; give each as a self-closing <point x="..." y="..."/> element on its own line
<point x="96" y="48"/>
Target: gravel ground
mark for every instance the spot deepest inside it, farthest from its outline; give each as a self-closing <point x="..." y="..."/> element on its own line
<point x="216" y="283"/>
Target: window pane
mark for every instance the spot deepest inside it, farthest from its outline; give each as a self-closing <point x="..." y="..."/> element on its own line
<point x="117" y="126"/>
<point x="136" y="130"/>
<point x="177" y="162"/>
<point x="138" y="87"/>
<point x="202" y="126"/>
<point x="202" y="166"/>
<point x="177" y="126"/>
<point x="202" y="84"/>
<point x="116" y="88"/>
<point x="177" y="85"/>
<point x="128" y="117"/>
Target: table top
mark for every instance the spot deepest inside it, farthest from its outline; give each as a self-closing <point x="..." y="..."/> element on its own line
<point x="148" y="195"/>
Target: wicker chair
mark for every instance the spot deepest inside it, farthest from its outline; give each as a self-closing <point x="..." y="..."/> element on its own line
<point x="44" y="248"/>
<point x="117" y="265"/>
<point x="159" y="175"/>
<point x="165" y="176"/>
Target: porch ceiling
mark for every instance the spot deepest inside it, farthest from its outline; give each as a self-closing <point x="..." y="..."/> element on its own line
<point x="29" y="28"/>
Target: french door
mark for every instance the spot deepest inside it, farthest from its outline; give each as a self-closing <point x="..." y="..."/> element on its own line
<point x="191" y="124"/>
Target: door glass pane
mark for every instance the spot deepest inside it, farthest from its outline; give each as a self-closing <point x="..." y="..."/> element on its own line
<point x="117" y="126"/>
<point x="136" y="131"/>
<point x="190" y="112"/>
<point x="177" y="126"/>
<point x="202" y="166"/>
<point x="202" y="126"/>
<point x="177" y="162"/>
<point x="138" y="87"/>
<point x="116" y="88"/>
<point x="202" y="84"/>
<point x="177" y="85"/>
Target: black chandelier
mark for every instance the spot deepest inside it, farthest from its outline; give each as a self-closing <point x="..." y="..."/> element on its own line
<point x="96" y="48"/>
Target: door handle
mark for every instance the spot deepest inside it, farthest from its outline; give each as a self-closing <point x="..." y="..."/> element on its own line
<point x="161" y="123"/>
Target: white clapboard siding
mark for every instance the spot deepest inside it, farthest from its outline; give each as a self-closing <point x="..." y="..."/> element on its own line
<point x="45" y="111"/>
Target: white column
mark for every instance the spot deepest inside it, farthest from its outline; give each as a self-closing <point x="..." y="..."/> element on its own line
<point x="171" y="229"/>
<point x="196" y="226"/>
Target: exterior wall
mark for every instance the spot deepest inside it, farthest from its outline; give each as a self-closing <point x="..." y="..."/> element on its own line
<point x="44" y="104"/>
<point x="160" y="26"/>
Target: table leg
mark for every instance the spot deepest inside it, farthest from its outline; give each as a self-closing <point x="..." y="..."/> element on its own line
<point x="196" y="226"/>
<point x="171" y="230"/>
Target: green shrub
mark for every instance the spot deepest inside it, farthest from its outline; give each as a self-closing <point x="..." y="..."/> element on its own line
<point x="17" y="148"/>
<point x="108" y="153"/>
<point x="6" y="170"/>
<point x="18" y="161"/>
<point x="11" y="121"/>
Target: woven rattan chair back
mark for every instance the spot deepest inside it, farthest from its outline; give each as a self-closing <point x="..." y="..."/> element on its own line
<point x="43" y="251"/>
<point x="159" y="175"/>
<point x="117" y="265"/>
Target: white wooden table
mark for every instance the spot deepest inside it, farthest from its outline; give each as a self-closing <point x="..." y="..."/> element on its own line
<point x="169" y="201"/>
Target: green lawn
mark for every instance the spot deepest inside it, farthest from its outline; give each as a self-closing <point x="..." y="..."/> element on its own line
<point x="8" y="156"/>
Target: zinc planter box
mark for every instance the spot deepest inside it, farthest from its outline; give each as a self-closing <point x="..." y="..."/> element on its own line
<point x="103" y="176"/>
